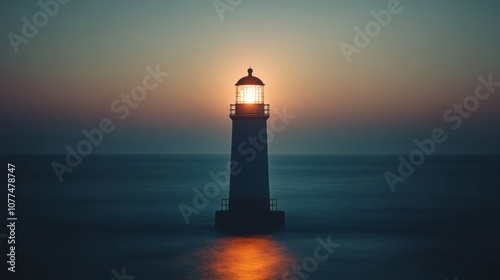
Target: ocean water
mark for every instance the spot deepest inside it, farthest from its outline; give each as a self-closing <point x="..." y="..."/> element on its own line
<point x="117" y="216"/>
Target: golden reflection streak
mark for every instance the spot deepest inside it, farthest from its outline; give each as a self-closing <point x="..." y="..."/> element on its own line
<point x="246" y="258"/>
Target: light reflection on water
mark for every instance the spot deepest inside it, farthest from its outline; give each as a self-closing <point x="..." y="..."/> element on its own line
<point x="245" y="258"/>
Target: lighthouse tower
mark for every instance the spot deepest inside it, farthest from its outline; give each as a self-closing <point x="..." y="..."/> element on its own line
<point x="249" y="207"/>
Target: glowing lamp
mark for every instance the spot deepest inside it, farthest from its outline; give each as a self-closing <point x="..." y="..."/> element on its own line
<point x="250" y="90"/>
<point x="249" y="97"/>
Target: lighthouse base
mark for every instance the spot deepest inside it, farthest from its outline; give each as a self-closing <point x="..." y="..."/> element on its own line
<point x="258" y="222"/>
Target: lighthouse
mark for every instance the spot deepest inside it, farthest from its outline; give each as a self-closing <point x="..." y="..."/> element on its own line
<point x="249" y="207"/>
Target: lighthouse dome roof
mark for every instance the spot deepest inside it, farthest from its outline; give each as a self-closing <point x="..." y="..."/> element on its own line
<point x="250" y="80"/>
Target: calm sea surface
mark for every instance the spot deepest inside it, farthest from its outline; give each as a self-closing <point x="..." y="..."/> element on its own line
<point x="115" y="212"/>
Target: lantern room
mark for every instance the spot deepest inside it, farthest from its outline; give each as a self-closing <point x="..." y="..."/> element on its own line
<point x="249" y="97"/>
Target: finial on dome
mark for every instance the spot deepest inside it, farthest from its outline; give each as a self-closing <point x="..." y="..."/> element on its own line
<point x="250" y="80"/>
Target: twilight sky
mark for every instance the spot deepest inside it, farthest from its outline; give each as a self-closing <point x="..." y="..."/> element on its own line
<point x="396" y="89"/>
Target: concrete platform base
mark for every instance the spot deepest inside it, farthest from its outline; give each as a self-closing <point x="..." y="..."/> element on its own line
<point x="258" y="222"/>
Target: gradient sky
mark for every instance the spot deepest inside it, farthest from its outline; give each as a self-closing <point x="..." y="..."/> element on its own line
<point x="396" y="90"/>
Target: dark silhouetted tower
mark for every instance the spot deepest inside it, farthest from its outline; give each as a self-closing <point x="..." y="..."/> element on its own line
<point x="249" y="207"/>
